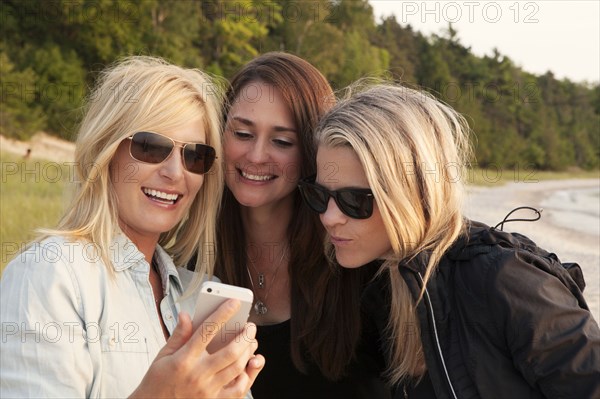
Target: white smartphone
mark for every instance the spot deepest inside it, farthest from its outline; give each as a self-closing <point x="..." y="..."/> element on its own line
<point x="212" y="295"/>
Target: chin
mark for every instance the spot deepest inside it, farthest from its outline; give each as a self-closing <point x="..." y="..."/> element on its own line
<point x="163" y="227"/>
<point x="250" y="201"/>
<point x="348" y="262"/>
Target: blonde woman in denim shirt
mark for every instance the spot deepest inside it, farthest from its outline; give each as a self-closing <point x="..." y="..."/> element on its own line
<point x="91" y="308"/>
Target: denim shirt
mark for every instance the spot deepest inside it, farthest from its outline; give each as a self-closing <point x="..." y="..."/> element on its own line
<point x="73" y="327"/>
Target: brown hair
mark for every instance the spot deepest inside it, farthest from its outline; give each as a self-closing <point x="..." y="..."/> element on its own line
<point x="321" y="297"/>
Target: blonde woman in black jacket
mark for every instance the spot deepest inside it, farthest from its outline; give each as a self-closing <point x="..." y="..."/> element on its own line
<point x="465" y="310"/>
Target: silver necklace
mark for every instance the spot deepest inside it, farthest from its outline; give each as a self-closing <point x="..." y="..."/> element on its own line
<point x="260" y="308"/>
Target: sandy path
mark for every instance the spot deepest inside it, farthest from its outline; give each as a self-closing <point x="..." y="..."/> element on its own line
<point x="42" y="146"/>
<point x="569" y="227"/>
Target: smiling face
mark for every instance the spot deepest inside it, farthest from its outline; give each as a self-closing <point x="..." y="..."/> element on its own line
<point x="261" y="148"/>
<point x="153" y="198"/>
<point x="356" y="241"/>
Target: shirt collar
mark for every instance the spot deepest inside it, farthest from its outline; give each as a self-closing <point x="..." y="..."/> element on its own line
<point x="168" y="270"/>
<point x="126" y="255"/>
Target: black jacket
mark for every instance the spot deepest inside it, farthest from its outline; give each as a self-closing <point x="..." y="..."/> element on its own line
<point x="501" y="318"/>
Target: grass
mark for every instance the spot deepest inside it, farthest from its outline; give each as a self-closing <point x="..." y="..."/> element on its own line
<point x="32" y="195"/>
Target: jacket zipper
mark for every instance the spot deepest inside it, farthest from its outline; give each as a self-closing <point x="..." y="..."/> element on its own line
<point x="435" y="333"/>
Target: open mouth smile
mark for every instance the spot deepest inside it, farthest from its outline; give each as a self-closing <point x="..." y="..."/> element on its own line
<point x="161" y="196"/>
<point x="253" y="177"/>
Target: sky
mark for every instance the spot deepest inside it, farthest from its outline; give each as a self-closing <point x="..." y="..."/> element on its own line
<point x="557" y="35"/>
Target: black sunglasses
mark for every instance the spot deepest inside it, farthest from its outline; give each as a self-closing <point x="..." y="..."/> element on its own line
<point x="150" y="147"/>
<point x="356" y="203"/>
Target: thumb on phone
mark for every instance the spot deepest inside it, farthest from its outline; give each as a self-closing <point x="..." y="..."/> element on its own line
<point x="181" y="334"/>
<point x="211" y="326"/>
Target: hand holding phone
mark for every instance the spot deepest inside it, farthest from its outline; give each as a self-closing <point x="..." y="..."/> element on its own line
<point x="180" y="369"/>
<point x="212" y="295"/>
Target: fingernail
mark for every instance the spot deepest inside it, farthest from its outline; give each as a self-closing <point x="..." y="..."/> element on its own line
<point x="257" y="362"/>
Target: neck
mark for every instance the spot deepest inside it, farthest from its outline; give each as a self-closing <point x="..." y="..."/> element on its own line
<point x="148" y="250"/>
<point x="267" y="226"/>
<point x="266" y="231"/>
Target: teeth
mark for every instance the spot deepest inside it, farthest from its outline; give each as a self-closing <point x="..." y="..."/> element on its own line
<point x="160" y="194"/>
<point x="257" y="177"/>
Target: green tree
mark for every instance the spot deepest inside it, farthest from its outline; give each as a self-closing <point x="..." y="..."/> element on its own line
<point x="59" y="87"/>
<point x="433" y="72"/>
<point x="356" y="15"/>
<point x="51" y="52"/>
<point x="360" y="58"/>
<point x="402" y="45"/>
<point x="234" y="31"/>
<point x="20" y="114"/>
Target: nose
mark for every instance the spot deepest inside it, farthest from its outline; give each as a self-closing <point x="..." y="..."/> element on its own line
<point x="258" y="152"/>
<point x="332" y="215"/>
<point x="172" y="168"/>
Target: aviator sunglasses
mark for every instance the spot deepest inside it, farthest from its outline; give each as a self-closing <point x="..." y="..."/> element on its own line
<point x="154" y="148"/>
<point x="356" y="203"/>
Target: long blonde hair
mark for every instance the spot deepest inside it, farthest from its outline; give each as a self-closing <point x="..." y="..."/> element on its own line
<point x="413" y="150"/>
<point x="135" y="94"/>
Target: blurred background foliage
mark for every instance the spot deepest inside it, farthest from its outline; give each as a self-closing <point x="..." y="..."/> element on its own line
<point x="51" y="52"/>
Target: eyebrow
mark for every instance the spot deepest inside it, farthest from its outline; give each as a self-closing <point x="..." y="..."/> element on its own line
<point x="248" y="122"/>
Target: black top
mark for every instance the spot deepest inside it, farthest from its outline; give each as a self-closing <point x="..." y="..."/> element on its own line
<point x="376" y="302"/>
<point x="421" y="390"/>
<point x="281" y="380"/>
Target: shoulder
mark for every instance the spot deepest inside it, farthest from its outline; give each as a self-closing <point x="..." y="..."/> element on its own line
<point x="44" y="280"/>
<point x="50" y="250"/>
<point x="46" y="260"/>
<point x="484" y="253"/>
<point x="506" y="269"/>
<point x="57" y="265"/>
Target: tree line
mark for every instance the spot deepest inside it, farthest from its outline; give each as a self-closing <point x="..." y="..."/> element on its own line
<point x="52" y="51"/>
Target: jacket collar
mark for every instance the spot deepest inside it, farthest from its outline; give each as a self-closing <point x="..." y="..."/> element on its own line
<point x="418" y="264"/>
<point x="475" y="240"/>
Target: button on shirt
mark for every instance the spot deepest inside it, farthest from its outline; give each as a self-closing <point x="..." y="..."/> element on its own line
<point x="73" y="327"/>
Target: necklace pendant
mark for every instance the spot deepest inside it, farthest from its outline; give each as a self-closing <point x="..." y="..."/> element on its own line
<point x="260" y="308"/>
<point x="261" y="280"/>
